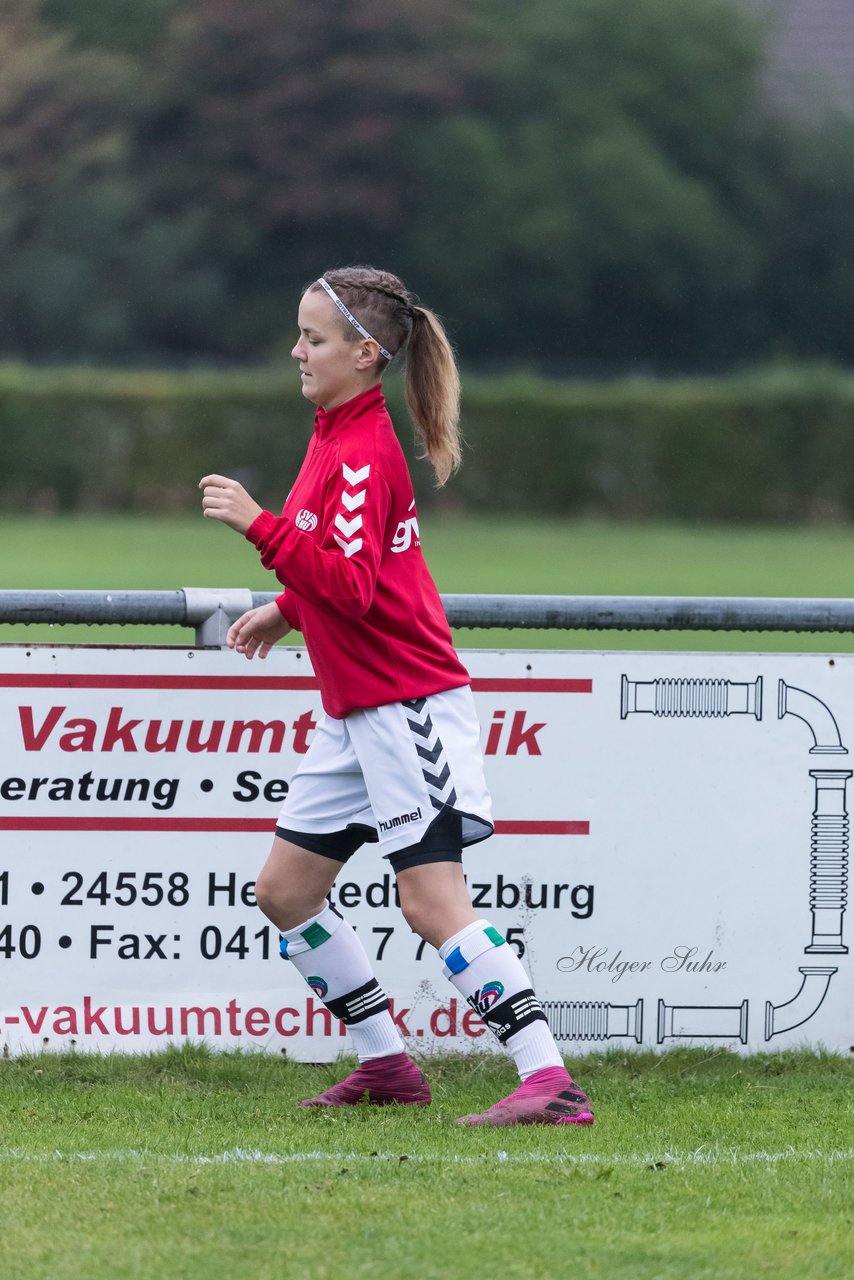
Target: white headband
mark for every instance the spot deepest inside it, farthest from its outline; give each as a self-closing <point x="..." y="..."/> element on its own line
<point x="348" y="315"/>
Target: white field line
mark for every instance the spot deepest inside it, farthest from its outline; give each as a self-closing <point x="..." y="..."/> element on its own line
<point x="703" y="1156"/>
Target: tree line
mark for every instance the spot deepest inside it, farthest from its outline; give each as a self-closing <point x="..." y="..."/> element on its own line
<point x="573" y="184"/>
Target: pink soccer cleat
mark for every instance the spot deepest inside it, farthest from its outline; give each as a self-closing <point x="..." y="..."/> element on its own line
<point x="549" y="1096"/>
<point x="379" y="1081"/>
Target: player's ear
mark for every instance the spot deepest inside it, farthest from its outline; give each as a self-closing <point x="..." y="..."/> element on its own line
<point x="368" y="353"/>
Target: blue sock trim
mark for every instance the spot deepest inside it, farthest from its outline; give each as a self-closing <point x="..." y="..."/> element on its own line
<point x="456" y="961"/>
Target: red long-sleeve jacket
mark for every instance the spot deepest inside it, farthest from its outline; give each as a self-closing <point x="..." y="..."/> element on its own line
<point x="347" y="549"/>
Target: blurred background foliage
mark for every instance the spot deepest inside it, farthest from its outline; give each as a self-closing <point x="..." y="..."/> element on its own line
<point x="578" y="186"/>
<point x="769" y="446"/>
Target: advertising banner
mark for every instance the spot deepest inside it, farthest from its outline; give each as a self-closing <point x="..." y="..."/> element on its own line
<point x="670" y="856"/>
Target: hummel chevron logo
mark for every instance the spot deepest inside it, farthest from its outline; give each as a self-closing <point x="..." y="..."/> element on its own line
<point x="349" y="548"/>
<point x="424" y="729"/>
<point x="437" y="780"/>
<point x="353" y="500"/>
<point x="430" y="754"/>
<point x="348" y="527"/>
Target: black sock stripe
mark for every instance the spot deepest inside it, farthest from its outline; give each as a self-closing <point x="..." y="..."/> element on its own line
<point x="359" y="1004"/>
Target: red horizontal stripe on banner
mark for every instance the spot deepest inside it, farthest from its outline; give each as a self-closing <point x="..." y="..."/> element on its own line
<point x="500" y="685"/>
<point x="523" y="828"/>
<point x="542" y="828"/>
<point x="138" y="824"/>
<point x="156" y="682"/>
<point x="486" y="685"/>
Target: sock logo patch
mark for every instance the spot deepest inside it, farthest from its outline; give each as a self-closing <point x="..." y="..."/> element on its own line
<point x="486" y="996"/>
<point x="319" y="987"/>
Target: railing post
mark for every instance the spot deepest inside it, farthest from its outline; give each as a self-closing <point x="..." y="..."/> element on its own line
<point x="211" y="611"/>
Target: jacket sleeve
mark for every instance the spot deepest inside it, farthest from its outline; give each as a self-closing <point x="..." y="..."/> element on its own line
<point x="287" y="608"/>
<point x="339" y="569"/>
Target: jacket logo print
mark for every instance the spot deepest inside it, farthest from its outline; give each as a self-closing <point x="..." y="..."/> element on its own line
<point x="406" y="533"/>
<point x="306" y="520"/>
<point x="352" y="501"/>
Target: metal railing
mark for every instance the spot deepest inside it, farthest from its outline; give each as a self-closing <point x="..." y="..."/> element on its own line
<point x="210" y="611"/>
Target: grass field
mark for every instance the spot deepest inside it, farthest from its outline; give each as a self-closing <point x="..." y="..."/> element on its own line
<point x="516" y="556"/>
<point x="192" y="1165"/>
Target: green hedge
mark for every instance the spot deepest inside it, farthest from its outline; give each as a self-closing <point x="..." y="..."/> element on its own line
<point x="767" y="446"/>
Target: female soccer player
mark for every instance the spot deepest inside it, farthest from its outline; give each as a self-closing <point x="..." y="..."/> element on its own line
<point x="396" y="759"/>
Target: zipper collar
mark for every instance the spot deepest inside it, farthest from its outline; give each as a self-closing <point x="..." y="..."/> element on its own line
<point x="329" y="423"/>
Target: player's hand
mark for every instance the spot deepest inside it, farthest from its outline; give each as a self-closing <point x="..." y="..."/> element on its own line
<point x="257" y="631"/>
<point x="226" y="500"/>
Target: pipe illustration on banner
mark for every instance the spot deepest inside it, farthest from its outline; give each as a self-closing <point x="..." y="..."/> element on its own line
<point x="701" y="698"/>
<point x="594" y="1019"/>
<point x="718" y="1021"/>
<point x="815" y="714"/>
<point x="691" y="697"/>
<point x="828" y="862"/>
<point x="829" y="842"/>
<point x="804" y="1004"/>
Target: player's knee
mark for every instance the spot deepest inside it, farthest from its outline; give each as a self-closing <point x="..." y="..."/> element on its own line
<point x="266" y="893"/>
<point x="432" y="891"/>
<point x="414" y="914"/>
<point x="429" y="920"/>
<point x="279" y="902"/>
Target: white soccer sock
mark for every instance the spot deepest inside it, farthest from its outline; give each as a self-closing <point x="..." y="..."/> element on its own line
<point x="334" y="963"/>
<point x="489" y="975"/>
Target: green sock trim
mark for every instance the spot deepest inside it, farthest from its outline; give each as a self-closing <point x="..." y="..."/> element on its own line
<point x="315" y="935"/>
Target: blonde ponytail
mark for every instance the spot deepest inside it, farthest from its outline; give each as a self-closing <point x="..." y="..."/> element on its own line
<point x="432" y="388"/>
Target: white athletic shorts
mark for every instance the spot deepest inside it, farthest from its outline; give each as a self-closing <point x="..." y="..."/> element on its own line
<point x="391" y="773"/>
